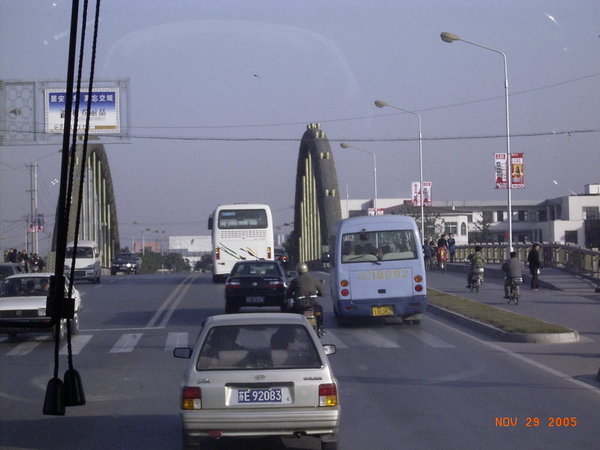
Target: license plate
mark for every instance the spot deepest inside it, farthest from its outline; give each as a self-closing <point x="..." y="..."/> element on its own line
<point x="255" y="299"/>
<point x="274" y="395"/>
<point x="386" y="310"/>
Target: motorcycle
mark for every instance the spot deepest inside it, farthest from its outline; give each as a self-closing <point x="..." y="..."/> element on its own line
<point x="309" y="311"/>
<point x="477" y="279"/>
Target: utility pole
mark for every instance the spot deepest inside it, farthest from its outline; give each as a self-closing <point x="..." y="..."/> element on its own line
<point x="33" y="221"/>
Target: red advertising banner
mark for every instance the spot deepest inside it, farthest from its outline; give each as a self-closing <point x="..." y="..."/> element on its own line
<point x="517" y="173"/>
<point x="416" y="193"/>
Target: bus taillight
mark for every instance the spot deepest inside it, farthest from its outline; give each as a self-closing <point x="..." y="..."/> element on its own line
<point x="269" y="253"/>
<point x="217" y="253"/>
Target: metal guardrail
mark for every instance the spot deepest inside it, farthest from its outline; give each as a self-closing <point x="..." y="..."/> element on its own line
<point x="576" y="260"/>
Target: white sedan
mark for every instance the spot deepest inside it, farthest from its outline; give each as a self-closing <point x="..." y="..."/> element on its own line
<point x="259" y="374"/>
<point x="23" y="299"/>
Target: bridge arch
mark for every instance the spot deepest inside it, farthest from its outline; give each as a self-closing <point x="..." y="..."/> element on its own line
<point x="98" y="220"/>
<point x="317" y="199"/>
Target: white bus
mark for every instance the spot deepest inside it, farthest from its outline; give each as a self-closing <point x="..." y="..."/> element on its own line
<point x="239" y="232"/>
<point x="377" y="268"/>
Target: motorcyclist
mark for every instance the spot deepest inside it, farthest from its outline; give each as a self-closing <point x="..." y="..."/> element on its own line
<point x="476" y="260"/>
<point x="300" y="290"/>
<point x="513" y="268"/>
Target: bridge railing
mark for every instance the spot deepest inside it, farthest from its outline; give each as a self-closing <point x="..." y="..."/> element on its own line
<point x="577" y="260"/>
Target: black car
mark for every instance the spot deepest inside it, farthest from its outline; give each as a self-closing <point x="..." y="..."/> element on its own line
<point x="125" y="262"/>
<point x="255" y="283"/>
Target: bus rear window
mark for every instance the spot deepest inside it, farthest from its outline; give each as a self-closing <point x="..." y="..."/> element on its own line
<point x="242" y="218"/>
<point x="389" y="245"/>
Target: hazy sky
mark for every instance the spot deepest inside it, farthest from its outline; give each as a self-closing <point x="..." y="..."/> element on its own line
<point x="221" y="93"/>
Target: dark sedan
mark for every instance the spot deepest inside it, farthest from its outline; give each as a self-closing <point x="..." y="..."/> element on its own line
<point x="125" y="262"/>
<point x="255" y="283"/>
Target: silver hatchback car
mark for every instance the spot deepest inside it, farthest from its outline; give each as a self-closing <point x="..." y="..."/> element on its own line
<point x="259" y="374"/>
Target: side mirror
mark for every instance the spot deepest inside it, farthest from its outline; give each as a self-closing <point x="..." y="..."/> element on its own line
<point x="182" y="352"/>
<point x="330" y="349"/>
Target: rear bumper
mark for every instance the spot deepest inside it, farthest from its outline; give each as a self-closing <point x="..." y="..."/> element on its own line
<point x="402" y="307"/>
<point x="259" y="422"/>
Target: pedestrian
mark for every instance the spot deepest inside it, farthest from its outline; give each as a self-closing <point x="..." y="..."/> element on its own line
<point x="451" y="246"/>
<point x="442" y="241"/>
<point x="535" y="266"/>
<point x="513" y="268"/>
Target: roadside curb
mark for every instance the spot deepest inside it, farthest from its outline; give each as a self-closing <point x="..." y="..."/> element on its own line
<point x="525" y="338"/>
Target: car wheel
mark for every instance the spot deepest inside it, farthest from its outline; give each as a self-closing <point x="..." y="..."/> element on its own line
<point x="231" y="309"/>
<point x="329" y="445"/>
<point x="75" y="324"/>
<point x="59" y="331"/>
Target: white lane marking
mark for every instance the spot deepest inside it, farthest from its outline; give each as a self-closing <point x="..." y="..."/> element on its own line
<point x="429" y="339"/>
<point x="174" y="294"/>
<point x="126" y="343"/>
<point x="26" y="347"/>
<point x="77" y="343"/>
<point x="375" y="338"/>
<point x="175" y="340"/>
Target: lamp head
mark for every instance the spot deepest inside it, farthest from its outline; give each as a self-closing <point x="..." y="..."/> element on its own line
<point x="449" y="37"/>
<point x="344" y="145"/>
<point x="380" y="104"/>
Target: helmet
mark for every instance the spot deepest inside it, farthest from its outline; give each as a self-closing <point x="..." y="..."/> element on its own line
<point x="302" y="268"/>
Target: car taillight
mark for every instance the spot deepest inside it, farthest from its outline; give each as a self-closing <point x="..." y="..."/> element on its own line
<point x="275" y="283"/>
<point x="328" y="395"/>
<point x="217" y="253"/>
<point x="191" y="398"/>
<point x="233" y="284"/>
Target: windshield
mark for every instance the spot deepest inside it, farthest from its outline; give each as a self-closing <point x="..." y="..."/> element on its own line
<point x="242" y="218"/>
<point x="25" y="287"/>
<point x="378" y="246"/>
<point x="82" y="252"/>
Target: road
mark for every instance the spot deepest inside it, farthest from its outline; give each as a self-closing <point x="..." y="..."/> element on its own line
<point x="435" y="385"/>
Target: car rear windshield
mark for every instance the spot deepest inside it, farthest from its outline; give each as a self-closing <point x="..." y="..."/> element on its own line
<point x="255" y="268"/>
<point x="251" y="347"/>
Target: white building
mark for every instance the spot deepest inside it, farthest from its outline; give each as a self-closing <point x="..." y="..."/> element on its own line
<point x="574" y="219"/>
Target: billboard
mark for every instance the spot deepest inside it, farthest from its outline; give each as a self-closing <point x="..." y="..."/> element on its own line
<point x="516" y="171"/>
<point x="104" y="111"/>
<point x="416" y="191"/>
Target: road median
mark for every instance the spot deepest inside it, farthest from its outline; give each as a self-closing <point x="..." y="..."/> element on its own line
<point x="503" y="325"/>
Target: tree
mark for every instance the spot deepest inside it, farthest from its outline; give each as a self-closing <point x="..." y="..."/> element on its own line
<point x="484" y="231"/>
<point x="173" y="262"/>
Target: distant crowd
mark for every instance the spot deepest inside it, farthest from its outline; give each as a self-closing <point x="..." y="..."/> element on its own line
<point x="29" y="262"/>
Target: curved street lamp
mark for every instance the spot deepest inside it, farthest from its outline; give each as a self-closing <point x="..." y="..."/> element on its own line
<point x="449" y="38"/>
<point x="344" y="145"/>
<point x="381" y="104"/>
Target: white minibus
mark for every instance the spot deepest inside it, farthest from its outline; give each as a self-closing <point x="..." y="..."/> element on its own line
<point x="377" y="268"/>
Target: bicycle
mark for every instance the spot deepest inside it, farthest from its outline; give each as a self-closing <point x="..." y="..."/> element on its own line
<point x="514" y="290"/>
<point x="477" y="279"/>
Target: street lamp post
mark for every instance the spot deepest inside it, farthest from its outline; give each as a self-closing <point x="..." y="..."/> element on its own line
<point x="381" y="104"/>
<point x="344" y="145"/>
<point x="449" y="38"/>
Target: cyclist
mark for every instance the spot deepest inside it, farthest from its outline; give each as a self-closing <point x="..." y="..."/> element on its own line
<point x="476" y="260"/>
<point x="513" y="268"/>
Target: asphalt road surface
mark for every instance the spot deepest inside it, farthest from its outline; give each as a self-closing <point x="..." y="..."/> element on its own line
<point x="434" y="385"/>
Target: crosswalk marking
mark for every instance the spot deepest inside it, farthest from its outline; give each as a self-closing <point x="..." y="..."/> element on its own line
<point x="126" y="343"/>
<point x="342" y="338"/>
<point x="77" y="343"/>
<point x="26" y="347"/>
<point x="175" y="340"/>
<point x="375" y="338"/>
<point x="331" y="338"/>
<point x="429" y="339"/>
